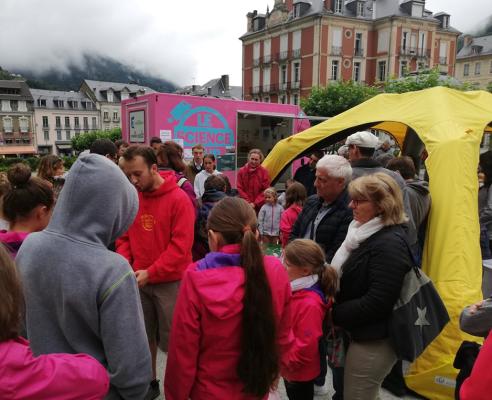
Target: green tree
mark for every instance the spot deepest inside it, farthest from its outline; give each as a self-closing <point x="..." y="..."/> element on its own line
<point x="489" y="87"/>
<point x="84" y="141"/>
<point x="423" y="80"/>
<point x="336" y="98"/>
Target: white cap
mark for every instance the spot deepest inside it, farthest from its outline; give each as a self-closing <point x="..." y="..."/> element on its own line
<point x="363" y="139"/>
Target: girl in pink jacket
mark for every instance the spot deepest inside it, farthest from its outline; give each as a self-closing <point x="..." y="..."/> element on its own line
<point x="51" y="376"/>
<point x="313" y="285"/>
<point x="231" y="323"/>
<point x="295" y="196"/>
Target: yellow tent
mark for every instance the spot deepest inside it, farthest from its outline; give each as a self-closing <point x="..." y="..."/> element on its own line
<point x="451" y="124"/>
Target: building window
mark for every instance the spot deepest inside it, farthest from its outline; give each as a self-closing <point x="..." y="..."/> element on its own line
<point x="106" y="116"/>
<point x="338" y="6"/>
<point x="76" y="122"/>
<point x="45" y="122"/>
<point x="356" y="71"/>
<point x="445" y="22"/>
<point x="7" y="124"/>
<point x="297" y="72"/>
<point x="115" y="117"/>
<point x="283" y="99"/>
<point x="283" y="74"/>
<point x="67" y="122"/>
<point x="86" y="122"/>
<point x="41" y="103"/>
<point x="334" y="70"/>
<point x="14" y="105"/>
<point x="358" y="45"/>
<point x="46" y="136"/>
<point x="477" y="68"/>
<point x="360" y="9"/>
<point x="382" y="71"/>
<point x="67" y="135"/>
<point x="466" y="69"/>
<point x="58" y="135"/>
<point x="58" y="122"/>
<point x="295" y="99"/>
<point x="266" y="99"/>
<point x="403" y="68"/>
<point x="94" y="122"/>
<point x="24" y="124"/>
<point x="110" y="96"/>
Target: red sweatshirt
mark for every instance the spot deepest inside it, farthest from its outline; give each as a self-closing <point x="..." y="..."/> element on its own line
<point x="478" y="386"/>
<point x="287" y="221"/>
<point x="308" y="312"/>
<point x="251" y="183"/>
<point x="160" y="238"/>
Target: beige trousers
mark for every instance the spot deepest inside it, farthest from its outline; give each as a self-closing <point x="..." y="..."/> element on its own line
<point x="366" y="365"/>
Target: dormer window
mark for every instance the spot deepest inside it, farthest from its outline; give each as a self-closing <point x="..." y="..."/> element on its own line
<point x="417" y="10"/>
<point x="338" y="6"/>
<point x="360" y="9"/>
<point x="110" y="96"/>
<point x="258" y="23"/>
<point x="445" y="22"/>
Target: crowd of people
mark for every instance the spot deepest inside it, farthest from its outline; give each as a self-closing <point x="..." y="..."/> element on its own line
<point x="135" y="250"/>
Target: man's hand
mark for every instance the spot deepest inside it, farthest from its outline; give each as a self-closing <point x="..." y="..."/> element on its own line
<point x="142" y="277"/>
<point x="475" y="307"/>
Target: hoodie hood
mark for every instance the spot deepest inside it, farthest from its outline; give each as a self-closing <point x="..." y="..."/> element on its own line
<point x="97" y="203"/>
<point x="419" y="186"/>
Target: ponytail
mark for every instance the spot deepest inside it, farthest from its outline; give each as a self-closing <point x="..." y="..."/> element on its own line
<point x="328" y="280"/>
<point x="258" y="365"/>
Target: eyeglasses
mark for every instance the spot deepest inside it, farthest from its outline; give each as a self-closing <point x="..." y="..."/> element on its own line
<point x="358" y="202"/>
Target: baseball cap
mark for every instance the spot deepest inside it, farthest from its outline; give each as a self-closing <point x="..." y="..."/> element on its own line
<point x="363" y="139"/>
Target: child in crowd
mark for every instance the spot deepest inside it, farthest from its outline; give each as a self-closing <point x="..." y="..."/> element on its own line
<point x="209" y="170"/>
<point x="295" y="196"/>
<point x="313" y="285"/>
<point x="231" y="326"/>
<point x="269" y="217"/>
<point x="26" y="205"/>
<point x="52" y="376"/>
<point x="215" y="187"/>
<point x="281" y="198"/>
<point x="51" y="169"/>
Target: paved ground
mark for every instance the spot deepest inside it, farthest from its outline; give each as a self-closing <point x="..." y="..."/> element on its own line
<point x="385" y="395"/>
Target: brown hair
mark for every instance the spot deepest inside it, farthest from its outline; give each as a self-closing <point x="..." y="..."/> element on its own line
<point x="48" y="165"/>
<point x="146" y="152"/>
<point x="383" y="191"/>
<point x="258" y="365"/>
<point x="198" y="147"/>
<point x="25" y="193"/>
<point x="295" y="194"/>
<point x="11" y="299"/>
<point x="404" y="165"/>
<point x="168" y="156"/>
<point x="303" y="253"/>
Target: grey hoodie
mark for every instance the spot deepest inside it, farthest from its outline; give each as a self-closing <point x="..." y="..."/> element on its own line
<point x="81" y="297"/>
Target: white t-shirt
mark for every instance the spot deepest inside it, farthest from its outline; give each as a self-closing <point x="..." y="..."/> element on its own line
<point x="200" y="179"/>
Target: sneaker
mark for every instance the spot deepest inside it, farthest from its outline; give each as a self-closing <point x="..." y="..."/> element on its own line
<point x="153" y="391"/>
<point x="321" y="390"/>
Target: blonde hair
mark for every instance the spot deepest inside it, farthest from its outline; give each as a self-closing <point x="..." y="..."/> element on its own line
<point x="383" y="191"/>
<point x="271" y="191"/>
<point x="301" y="253"/>
<point x="256" y="151"/>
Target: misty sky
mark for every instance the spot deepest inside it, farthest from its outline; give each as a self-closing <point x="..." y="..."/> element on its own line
<point x="183" y="41"/>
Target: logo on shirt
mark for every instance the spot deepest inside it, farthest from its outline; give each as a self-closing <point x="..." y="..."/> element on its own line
<point x="147" y="221"/>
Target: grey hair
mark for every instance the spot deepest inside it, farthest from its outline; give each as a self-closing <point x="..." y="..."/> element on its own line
<point x="336" y="167"/>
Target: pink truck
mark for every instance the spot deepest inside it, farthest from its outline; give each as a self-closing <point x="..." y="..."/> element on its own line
<point x="226" y="128"/>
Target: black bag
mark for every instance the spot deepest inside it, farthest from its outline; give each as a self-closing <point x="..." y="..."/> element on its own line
<point x="419" y="314"/>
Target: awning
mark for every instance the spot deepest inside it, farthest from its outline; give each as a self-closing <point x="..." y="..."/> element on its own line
<point x="64" y="146"/>
<point x="17" y="150"/>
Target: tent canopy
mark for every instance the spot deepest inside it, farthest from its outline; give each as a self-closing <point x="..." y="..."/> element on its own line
<point x="450" y="124"/>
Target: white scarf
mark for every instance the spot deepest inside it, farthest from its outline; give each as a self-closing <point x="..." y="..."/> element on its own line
<point x="304" y="282"/>
<point x="356" y="234"/>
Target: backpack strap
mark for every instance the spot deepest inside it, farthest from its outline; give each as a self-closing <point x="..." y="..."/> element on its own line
<point x="415" y="263"/>
<point x="181" y="181"/>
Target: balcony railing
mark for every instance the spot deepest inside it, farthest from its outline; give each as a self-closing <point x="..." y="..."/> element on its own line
<point x="267" y="59"/>
<point x="273" y="88"/>
<point x="256" y="62"/>
<point x="283" y="86"/>
<point x="255" y="89"/>
<point x="358" y="52"/>
<point x="408" y="51"/>
<point x="443" y="60"/>
<point x="336" y="50"/>
<point x="296" y="53"/>
<point x="106" y="118"/>
<point x="295" y="84"/>
<point x="116" y="119"/>
<point x="283" y="55"/>
<point x="423" y="53"/>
